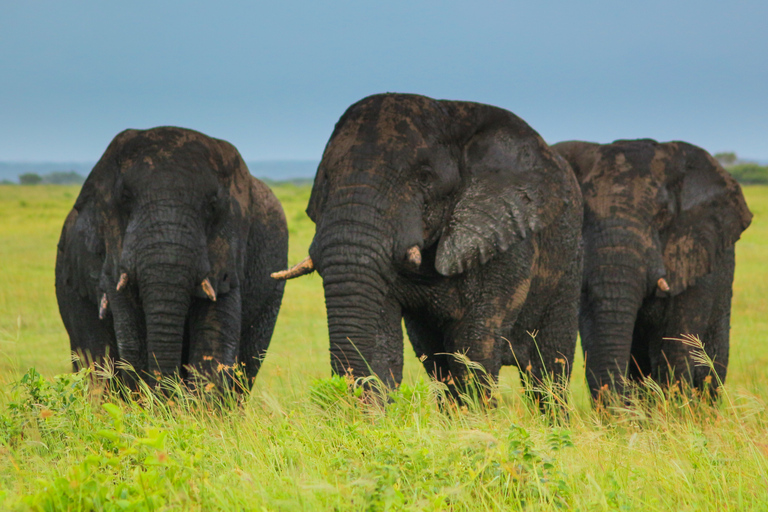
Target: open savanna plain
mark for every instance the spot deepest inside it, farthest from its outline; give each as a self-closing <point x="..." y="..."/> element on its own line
<point x="305" y="441"/>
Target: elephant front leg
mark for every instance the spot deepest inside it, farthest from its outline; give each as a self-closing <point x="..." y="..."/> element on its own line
<point x="704" y="311"/>
<point x="552" y="341"/>
<point x="546" y="360"/>
<point x="92" y="339"/>
<point x="474" y="357"/>
<point x="429" y="344"/>
<point x="258" y="324"/>
<point x="214" y="338"/>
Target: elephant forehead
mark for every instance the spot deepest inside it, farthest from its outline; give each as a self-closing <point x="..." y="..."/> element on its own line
<point x="179" y="148"/>
<point x="391" y="129"/>
<point x="624" y="182"/>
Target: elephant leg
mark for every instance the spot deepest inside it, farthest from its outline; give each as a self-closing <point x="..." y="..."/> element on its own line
<point x="257" y="330"/>
<point x="703" y="310"/>
<point x="717" y="338"/>
<point x="478" y="339"/>
<point x="91" y="338"/>
<point x="428" y="343"/>
<point x="553" y="349"/>
<point x="688" y="313"/>
<point x="214" y="335"/>
<point x="551" y="339"/>
<point x="648" y="327"/>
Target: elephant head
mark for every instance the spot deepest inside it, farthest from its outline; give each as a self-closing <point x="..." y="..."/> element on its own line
<point x="161" y="221"/>
<point x="657" y="218"/>
<point x="415" y="190"/>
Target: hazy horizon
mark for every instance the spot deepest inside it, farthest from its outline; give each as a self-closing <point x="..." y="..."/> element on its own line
<point x="276" y="170"/>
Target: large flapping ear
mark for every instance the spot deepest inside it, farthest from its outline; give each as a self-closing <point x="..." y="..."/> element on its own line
<point x="514" y="185"/>
<point x="712" y="214"/>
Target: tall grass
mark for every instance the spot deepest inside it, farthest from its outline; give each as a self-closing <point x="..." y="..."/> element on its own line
<point x="305" y="441"/>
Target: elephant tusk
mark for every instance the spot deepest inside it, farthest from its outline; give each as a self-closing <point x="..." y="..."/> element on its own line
<point x="304" y="267"/>
<point x="122" y="282"/>
<point x="414" y="255"/>
<point x="662" y="284"/>
<point x="103" y="305"/>
<point x="208" y="289"/>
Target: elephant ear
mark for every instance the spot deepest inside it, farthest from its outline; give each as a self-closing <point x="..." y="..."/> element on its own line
<point x="514" y="186"/>
<point x="236" y="203"/>
<point x="92" y="230"/>
<point x="80" y="254"/>
<point x="319" y="194"/>
<point x="712" y="214"/>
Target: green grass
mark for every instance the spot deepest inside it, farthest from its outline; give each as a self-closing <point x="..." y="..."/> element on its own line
<point x="303" y="442"/>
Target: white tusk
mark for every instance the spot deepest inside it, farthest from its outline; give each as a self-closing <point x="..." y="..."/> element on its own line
<point x="414" y="255"/>
<point x="208" y="289"/>
<point x="103" y="305"/>
<point x="122" y="282"/>
<point x="305" y="266"/>
<point x="662" y="284"/>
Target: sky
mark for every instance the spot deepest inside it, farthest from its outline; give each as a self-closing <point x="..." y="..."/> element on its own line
<point x="274" y="77"/>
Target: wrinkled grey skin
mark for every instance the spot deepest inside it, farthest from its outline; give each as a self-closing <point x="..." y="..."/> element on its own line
<point x="655" y="211"/>
<point x="496" y="218"/>
<point x="171" y="207"/>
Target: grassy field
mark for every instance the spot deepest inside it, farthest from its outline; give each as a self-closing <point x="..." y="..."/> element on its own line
<point x="303" y="443"/>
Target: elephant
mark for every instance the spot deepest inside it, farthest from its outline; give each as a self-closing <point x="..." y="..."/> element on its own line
<point x="660" y="224"/>
<point x="164" y="260"/>
<point x="457" y="218"/>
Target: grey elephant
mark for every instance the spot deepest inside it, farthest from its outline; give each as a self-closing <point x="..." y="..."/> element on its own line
<point x="164" y="260"/>
<point x="457" y="218"/>
<point x="660" y="224"/>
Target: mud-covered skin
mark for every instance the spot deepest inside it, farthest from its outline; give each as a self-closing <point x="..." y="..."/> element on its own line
<point x="655" y="210"/>
<point x="495" y="214"/>
<point x="170" y="207"/>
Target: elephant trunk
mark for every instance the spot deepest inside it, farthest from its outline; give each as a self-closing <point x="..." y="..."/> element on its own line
<point x="168" y="259"/>
<point x="166" y="299"/>
<point x="354" y="307"/>
<point x="615" y="284"/>
<point x="354" y="258"/>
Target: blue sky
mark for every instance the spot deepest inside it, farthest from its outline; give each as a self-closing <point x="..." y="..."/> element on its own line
<point x="273" y="77"/>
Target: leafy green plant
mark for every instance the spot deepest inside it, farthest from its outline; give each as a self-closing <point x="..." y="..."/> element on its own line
<point x="123" y="472"/>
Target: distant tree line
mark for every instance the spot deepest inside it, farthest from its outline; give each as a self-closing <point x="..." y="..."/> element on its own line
<point x="53" y="178"/>
<point x="746" y="173"/>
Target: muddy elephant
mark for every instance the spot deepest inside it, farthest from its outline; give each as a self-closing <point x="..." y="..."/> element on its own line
<point x="660" y="223"/>
<point x="164" y="260"/>
<point x="456" y="217"/>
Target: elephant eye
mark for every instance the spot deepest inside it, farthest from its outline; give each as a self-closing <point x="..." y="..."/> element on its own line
<point x="126" y="196"/>
<point x="213" y="205"/>
<point x="425" y="175"/>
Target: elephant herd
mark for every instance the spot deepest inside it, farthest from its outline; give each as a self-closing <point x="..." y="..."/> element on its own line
<point x="454" y="217"/>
